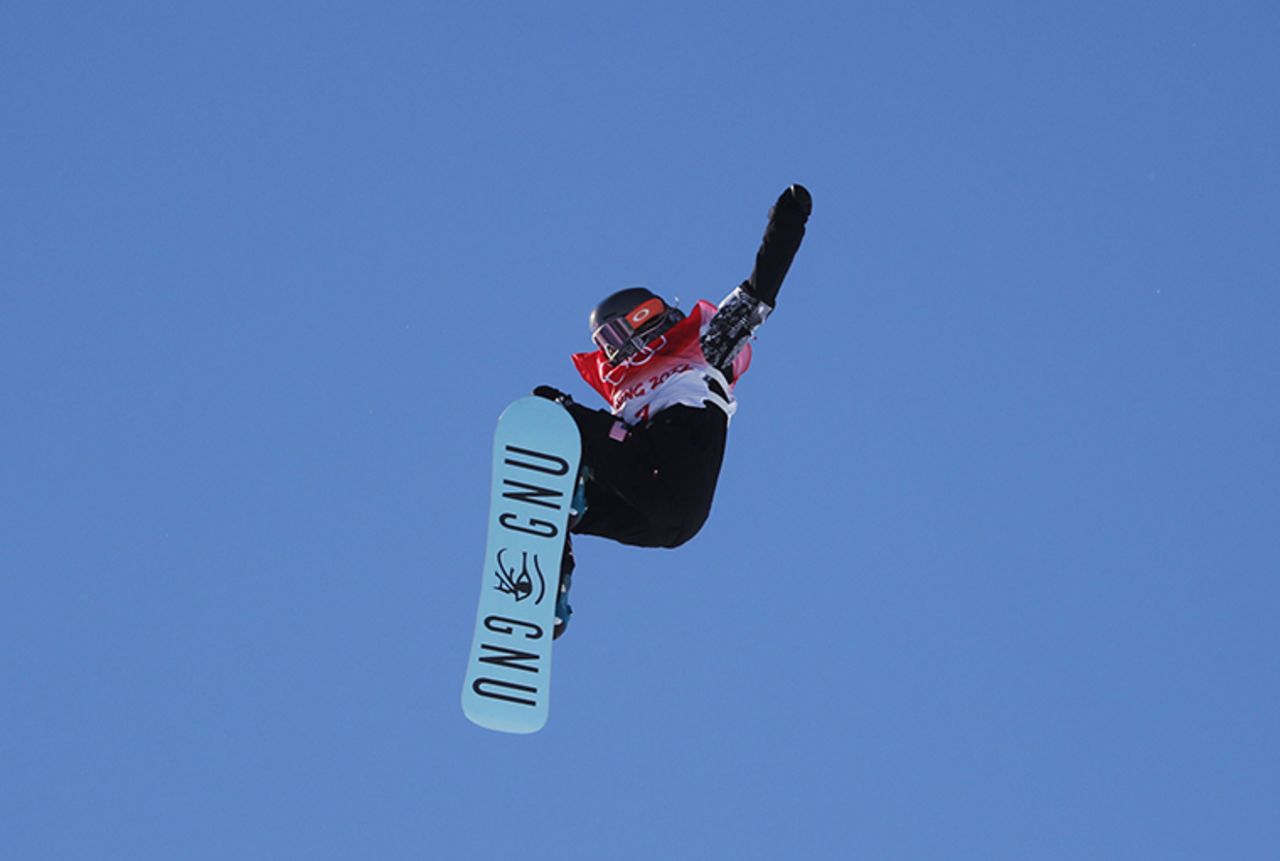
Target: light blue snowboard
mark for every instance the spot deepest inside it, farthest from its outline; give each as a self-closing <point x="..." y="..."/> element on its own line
<point x="535" y="465"/>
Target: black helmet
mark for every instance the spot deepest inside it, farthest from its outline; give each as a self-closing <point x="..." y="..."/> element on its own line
<point x="626" y="321"/>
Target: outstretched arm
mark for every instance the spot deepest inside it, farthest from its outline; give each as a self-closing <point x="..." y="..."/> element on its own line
<point x="743" y="310"/>
<point x="781" y="241"/>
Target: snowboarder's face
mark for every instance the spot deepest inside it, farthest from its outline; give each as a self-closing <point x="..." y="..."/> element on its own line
<point x="624" y="336"/>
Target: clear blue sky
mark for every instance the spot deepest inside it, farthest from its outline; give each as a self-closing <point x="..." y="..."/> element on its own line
<point x="992" y="573"/>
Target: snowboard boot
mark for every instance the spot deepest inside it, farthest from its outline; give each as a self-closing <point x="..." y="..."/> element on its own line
<point x="563" y="610"/>
<point x="577" y="508"/>
<point x="578" y="505"/>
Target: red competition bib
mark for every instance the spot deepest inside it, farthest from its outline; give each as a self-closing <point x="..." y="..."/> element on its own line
<point x="671" y="370"/>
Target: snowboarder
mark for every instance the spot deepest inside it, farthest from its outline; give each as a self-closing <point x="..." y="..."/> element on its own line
<point x="650" y="463"/>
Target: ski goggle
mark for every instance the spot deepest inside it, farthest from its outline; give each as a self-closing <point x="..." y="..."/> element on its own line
<point x="624" y="336"/>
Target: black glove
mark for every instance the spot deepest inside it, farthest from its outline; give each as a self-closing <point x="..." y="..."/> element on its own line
<point x="795" y="202"/>
<point x="781" y="241"/>
<point x="553" y="394"/>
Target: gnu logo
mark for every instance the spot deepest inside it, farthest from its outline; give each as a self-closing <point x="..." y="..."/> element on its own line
<point x="517" y="579"/>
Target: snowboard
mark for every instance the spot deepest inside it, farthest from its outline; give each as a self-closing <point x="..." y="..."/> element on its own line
<point x="536" y="451"/>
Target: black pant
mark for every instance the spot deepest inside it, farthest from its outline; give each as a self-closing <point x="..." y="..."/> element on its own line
<point x="653" y="488"/>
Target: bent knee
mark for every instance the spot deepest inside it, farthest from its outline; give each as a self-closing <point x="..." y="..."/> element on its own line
<point x="679" y="530"/>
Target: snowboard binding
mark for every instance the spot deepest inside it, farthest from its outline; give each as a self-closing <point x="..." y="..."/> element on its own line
<point x="577" y="508"/>
<point x="563" y="610"/>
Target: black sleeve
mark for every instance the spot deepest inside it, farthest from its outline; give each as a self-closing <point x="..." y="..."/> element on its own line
<point x="781" y="241"/>
<point x="746" y="308"/>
